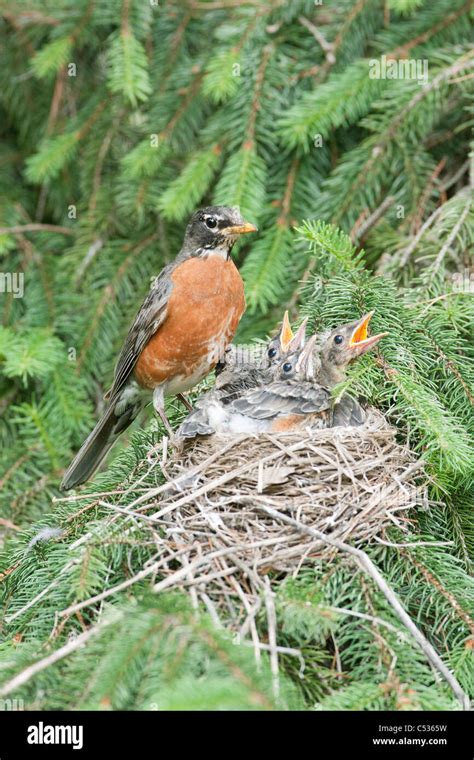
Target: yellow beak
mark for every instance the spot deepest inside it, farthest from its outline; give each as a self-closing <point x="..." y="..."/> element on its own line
<point x="240" y="229"/>
<point x="286" y="335"/>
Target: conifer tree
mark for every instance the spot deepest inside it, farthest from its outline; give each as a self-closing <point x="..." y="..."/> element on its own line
<point x="117" y="119"/>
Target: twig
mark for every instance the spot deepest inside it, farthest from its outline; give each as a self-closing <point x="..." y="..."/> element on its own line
<point x="93" y="249"/>
<point x="371" y="570"/>
<point x="370" y="618"/>
<point x="435" y="300"/>
<point x="450" y="181"/>
<point x="8" y="524"/>
<point x="216" y="482"/>
<point x="320" y="38"/>
<point x="414" y="242"/>
<point x="128" y="512"/>
<point x="113" y="590"/>
<point x="372" y="219"/>
<point x="150" y="494"/>
<point x="409" y="544"/>
<point x="451" y="238"/>
<point x="426" y="195"/>
<point x="169" y="581"/>
<point x="36" y="227"/>
<point x="71" y="646"/>
<point x="223" y="4"/>
<point x="272" y="640"/>
<point x="38" y="597"/>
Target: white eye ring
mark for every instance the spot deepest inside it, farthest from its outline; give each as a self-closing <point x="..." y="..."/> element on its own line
<point x="211" y="222"/>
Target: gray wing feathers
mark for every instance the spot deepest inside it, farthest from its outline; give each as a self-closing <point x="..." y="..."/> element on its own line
<point x="348" y="412"/>
<point x="150" y="317"/>
<point x="197" y="422"/>
<point x="282" y="398"/>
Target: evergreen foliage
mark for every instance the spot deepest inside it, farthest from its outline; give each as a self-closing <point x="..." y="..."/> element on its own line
<point x="118" y="118"/>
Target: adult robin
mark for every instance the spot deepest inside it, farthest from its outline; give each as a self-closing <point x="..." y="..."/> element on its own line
<point x="241" y="370"/>
<point x="182" y="328"/>
<point x="336" y="349"/>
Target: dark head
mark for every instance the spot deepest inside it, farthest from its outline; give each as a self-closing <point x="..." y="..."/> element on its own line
<point x="301" y="364"/>
<point x="341" y="346"/>
<point x="214" y="229"/>
<point x="285" y="341"/>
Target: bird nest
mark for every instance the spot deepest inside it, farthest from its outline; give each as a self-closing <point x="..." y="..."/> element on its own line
<point x="236" y="510"/>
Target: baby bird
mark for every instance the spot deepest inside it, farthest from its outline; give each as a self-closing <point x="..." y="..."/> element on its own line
<point x="290" y="399"/>
<point x="241" y="376"/>
<point x="247" y="366"/>
<point x="294" y="392"/>
<point x="337" y="349"/>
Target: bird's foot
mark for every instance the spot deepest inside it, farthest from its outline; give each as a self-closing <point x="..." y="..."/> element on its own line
<point x="184" y="401"/>
<point x="166" y="423"/>
<point x="158" y="405"/>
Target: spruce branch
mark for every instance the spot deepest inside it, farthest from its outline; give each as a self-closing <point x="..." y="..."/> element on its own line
<point x="36" y="227"/>
<point x="464" y="63"/>
<point x="451" y="237"/>
<point x="372" y="571"/>
<point x="59" y="654"/>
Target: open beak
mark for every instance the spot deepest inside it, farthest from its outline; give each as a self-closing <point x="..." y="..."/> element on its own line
<point x="240" y="229"/>
<point x="305" y="361"/>
<point x="359" y="341"/>
<point x="286" y="333"/>
<point x="298" y="339"/>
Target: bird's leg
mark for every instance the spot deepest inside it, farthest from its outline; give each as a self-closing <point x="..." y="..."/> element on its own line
<point x="166" y="423"/>
<point x="159" y="407"/>
<point x="185" y="401"/>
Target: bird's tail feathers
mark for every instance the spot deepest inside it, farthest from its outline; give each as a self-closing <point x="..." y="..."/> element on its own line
<point x="118" y="415"/>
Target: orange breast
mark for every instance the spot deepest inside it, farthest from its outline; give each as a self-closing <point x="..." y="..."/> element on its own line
<point x="284" y="424"/>
<point x="205" y="307"/>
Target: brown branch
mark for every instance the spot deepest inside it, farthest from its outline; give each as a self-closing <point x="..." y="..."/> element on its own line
<point x="358" y="235"/>
<point x="36" y="227"/>
<point x="268" y="51"/>
<point x="174" y="48"/>
<point x="465" y="62"/>
<point x="26" y="675"/>
<point x="56" y="99"/>
<point x="339" y="39"/>
<point x="426" y="194"/>
<point x="370" y="568"/>
<point x="283" y="219"/>
<point x="188" y="96"/>
<point x="440" y="588"/>
<point x="8" y="524"/>
<point x="29" y="17"/>
<point x="320" y="39"/>
<point x="404" y="49"/>
<point x="224" y="4"/>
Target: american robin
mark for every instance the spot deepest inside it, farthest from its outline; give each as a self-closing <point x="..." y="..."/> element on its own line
<point x="291" y="398"/>
<point x="337" y="349"/>
<point x="248" y="366"/>
<point x="182" y="328"/>
<point x="300" y="392"/>
<point x="242" y="369"/>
